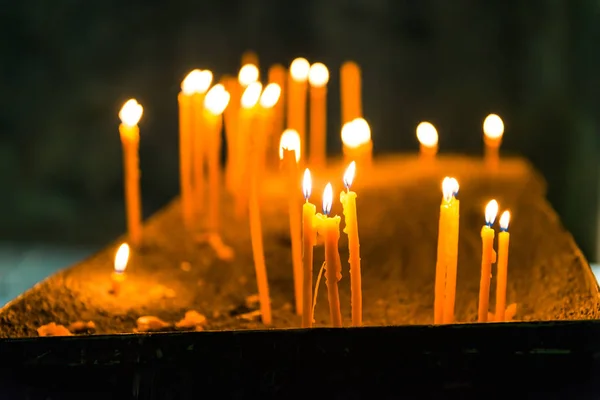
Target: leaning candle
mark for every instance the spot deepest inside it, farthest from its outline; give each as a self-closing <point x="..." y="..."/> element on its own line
<point x="118" y="276"/>
<point x="493" y="130"/>
<point x="309" y="237"/>
<point x="451" y="255"/>
<point x="350" y="85"/>
<point x="488" y="257"/>
<point x="296" y="110"/>
<point x="428" y="140"/>
<point x="318" y="76"/>
<point x="348" y="200"/>
<point x="130" y="114"/>
<point x="329" y="228"/>
<point x="215" y="102"/>
<point x="357" y="144"/>
<point x="289" y="153"/>
<point x="502" y="275"/>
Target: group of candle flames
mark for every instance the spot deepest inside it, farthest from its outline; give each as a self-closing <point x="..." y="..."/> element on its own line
<point x="250" y="121"/>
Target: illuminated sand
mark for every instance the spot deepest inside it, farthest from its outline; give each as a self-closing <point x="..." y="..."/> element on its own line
<point x="398" y="204"/>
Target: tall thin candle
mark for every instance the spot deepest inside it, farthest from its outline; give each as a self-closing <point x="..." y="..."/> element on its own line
<point x="309" y="238"/>
<point x="502" y="275"/>
<point x="488" y="257"/>
<point x="318" y="76"/>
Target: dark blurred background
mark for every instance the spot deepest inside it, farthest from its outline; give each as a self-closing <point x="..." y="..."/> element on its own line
<point x="68" y="66"/>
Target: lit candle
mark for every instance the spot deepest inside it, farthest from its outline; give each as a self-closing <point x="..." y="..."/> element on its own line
<point x="502" y="277"/>
<point x="289" y="153"/>
<point x="309" y="238"/>
<point x="268" y="100"/>
<point x="348" y="200"/>
<point x="350" y="91"/>
<point x="231" y="117"/>
<point x="487" y="259"/>
<point x="186" y="126"/>
<point x="204" y="79"/>
<point x="493" y="130"/>
<point x="118" y="275"/>
<point x="428" y="140"/>
<point x="318" y="76"/>
<point x="442" y="259"/>
<point x="215" y="102"/>
<point x="247" y="121"/>
<point x="329" y="228"/>
<point x="130" y="115"/>
<point x="451" y="252"/>
<point x="277" y="74"/>
<point x="296" y="110"/>
<point x="356" y="141"/>
<point x="248" y="74"/>
<point x="250" y="57"/>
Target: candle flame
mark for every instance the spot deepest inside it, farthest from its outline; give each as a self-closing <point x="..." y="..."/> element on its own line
<point x="251" y="95"/>
<point x="504" y="220"/>
<point x="197" y="81"/>
<point x="356" y="133"/>
<point x="327" y="199"/>
<point x="349" y="174"/>
<point x="290" y="140"/>
<point x="318" y="75"/>
<point x="455" y="187"/>
<point x="493" y="127"/>
<point x="216" y="99"/>
<point x="447" y="189"/>
<point x="121" y="258"/>
<point x="248" y="74"/>
<point x="306" y="184"/>
<point x="299" y="69"/>
<point x="427" y="134"/>
<point x="270" y="96"/>
<point x="491" y="211"/>
<point x="131" y="112"/>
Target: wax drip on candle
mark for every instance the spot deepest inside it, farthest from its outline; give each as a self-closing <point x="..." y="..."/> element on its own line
<point x="349" y="175"/>
<point x="504" y="220"/>
<point x="327" y="199"/>
<point x="306" y="184"/>
<point x="491" y="211"/>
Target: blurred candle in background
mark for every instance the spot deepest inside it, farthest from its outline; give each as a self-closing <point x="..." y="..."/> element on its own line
<point x="318" y="76"/>
<point x="493" y="130"/>
<point x="296" y="110"/>
<point x="428" y="140"/>
<point x="350" y="86"/>
<point x="356" y="142"/>
<point x="277" y="75"/>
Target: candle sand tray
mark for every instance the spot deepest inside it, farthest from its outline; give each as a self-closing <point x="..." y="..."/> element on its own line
<point x="398" y="203"/>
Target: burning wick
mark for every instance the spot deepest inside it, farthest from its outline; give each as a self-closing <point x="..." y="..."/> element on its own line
<point x="491" y="211"/>
<point x="327" y="199"/>
<point x="306" y="184"/>
<point x="118" y="276"/>
<point x="349" y="175"/>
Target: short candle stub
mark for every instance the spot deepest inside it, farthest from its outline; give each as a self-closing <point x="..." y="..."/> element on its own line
<point x="491" y="211"/>
<point x="306" y="184"/>
<point x="327" y="199"/>
<point x="120" y="263"/>
<point x="504" y="221"/>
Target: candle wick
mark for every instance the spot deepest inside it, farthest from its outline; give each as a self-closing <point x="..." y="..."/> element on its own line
<point x="503" y="229"/>
<point x="489" y="224"/>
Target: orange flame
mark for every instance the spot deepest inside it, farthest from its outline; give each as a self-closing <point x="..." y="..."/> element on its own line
<point x="121" y="258"/>
<point x="427" y="134"/>
<point x="327" y="199"/>
<point x="131" y="112"/>
<point x="491" y="211"/>
<point x="504" y="221"/>
<point x="349" y="175"/>
<point x="493" y="127"/>
<point x="306" y="184"/>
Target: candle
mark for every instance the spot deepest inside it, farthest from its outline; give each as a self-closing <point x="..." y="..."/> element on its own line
<point x="268" y="100"/>
<point x="185" y="148"/>
<point x="277" y="75"/>
<point x="329" y="228"/>
<point x="502" y="277"/>
<point x="247" y="121"/>
<point x="256" y="235"/>
<point x="318" y="76"/>
<point x="231" y="117"/>
<point x="357" y="144"/>
<point x="348" y="200"/>
<point x="442" y="259"/>
<point x="215" y="102"/>
<point x="248" y="74"/>
<point x="487" y="259"/>
<point x="296" y="110"/>
<point x="250" y="57"/>
<point x="451" y="248"/>
<point x="130" y="114"/>
<point x="493" y="130"/>
<point x="118" y="275"/>
<point x="289" y="153"/>
<point x="428" y="140"/>
<point x="350" y="91"/>
<point x="309" y="238"/>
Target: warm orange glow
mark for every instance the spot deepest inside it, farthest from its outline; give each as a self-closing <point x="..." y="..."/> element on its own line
<point x="197" y="81"/>
<point x="270" y="96"/>
<point x="491" y="211"/>
<point x="251" y="95"/>
<point x="248" y="74"/>
<point x="356" y="133"/>
<point x="327" y="199"/>
<point x="216" y="99"/>
<point x="318" y="75"/>
<point x="299" y="69"/>
<point x="427" y="134"/>
<point x="306" y="184"/>
<point x="504" y="220"/>
<point x="290" y="140"/>
<point x="121" y="258"/>
<point x="349" y="174"/>
<point x="447" y="189"/>
<point x="493" y="127"/>
<point x="131" y="112"/>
